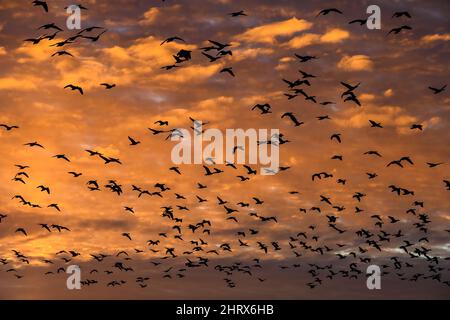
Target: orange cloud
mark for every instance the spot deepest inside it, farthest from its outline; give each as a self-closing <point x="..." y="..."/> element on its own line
<point x="436" y="37"/>
<point x="268" y="33"/>
<point x="241" y="54"/>
<point x="16" y="83"/>
<point x="191" y="73"/>
<point x="332" y="36"/>
<point x="356" y="63"/>
<point x="303" y="40"/>
<point x="117" y="53"/>
<point x="150" y="16"/>
<point x="388" y="93"/>
<point x="283" y="63"/>
<point x="366" y="97"/>
<point x="75" y="73"/>
<point x="34" y="53"/>
<point x="388" y="115"/>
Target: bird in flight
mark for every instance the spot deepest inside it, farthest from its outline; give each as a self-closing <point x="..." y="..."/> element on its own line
<point x="264" y="108"/>
<point x="305" y="58"/>
<point x="43" y="4"/>
<point x="44" y="189"/>
<point x="210" y="57"/>
<point x="437" y="90"/>
<point x="399" y="29"/>
<point x="129" y="209"/>
<point x="291" y="116"/>
<point x="401" y="14"/>
<point x="22" y="230"/>
<point x="360" y="21"/>
<point x="172" y="39"/>
<point x="127" y="235"/>
<point x="238" y="13"/>
<point x="433" y="164"/>
<point x="374" y="124"/>
<point x="324" y="12"/>
<point x="8" y="128"/>
<point x="75" y="174"/>
<point x="95" y="38"/>
<point x="175" y="169"/>
<point x="34" y="41"/>
<point x="133" y="142"/>
<point x="107" y="85"/>
<point x="50" y="26"/>
<point x="336" y="136"/>
<point x="88" y="29"/>
<point x="54" y="206"/>
<point x="62" y="157"/>
<point x="73" y="88"/>
<point x="162" y="123"/>
<point x="62" y="53"/>
<point x="34" y="144"/>
<point x="229" y="70"/>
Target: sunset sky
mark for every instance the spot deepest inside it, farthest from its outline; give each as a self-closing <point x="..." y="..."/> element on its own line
<point x="394" y="70"/>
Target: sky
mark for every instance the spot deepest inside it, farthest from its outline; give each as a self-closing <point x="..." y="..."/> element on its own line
<point x="395" y="72"/>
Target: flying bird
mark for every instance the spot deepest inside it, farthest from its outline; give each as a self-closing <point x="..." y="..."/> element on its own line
<point x="336" y="136"/>
<point x="291" y="116"/>
<point x="305" y="58"/>
<point x="107" y="85"/>
<point x="238" y="13"/>
<point x="95" y="38"/>
<point x="61" y="156"/>
<point x="360" y="21"/>
<point x="62" y="53"/>
<point x="73" y="87"/>
<point x="162" y="123"/>
<point x="8" y="128"/>
<point x="401" y="14"/>
<point x="228" y="70"/>
<point x="133" y="142"/>
<point x="22" y="230"/>
<point x="374" y="124"/>
<point x="43" y="4"/>
<point x="264" y="108"/>
<point x="50" y="26"/>
<point x="34" y="144"/>
<point x="399" y="29"/>
<point x="126" y="235"/>
<point x="172" y="39"/>
<point x="432" y="164"/>
<point x="437" y="90"/>
<point x="327" y="11"/>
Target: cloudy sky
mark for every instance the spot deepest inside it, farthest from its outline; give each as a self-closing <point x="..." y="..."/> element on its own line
<point x="394" y="72"/>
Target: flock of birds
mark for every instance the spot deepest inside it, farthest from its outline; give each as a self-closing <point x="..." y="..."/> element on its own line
<point x="304" y="245"/>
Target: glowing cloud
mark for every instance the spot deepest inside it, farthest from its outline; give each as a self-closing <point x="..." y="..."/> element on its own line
<point x="332" y="36"/>
<point x="436" y="37"/>
<point x="269" y="32"/>
<point x="335" y="36"/>
<point x="355" y="63"/>
<point x="150" y="16"/>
